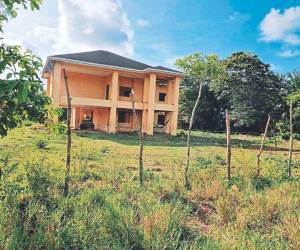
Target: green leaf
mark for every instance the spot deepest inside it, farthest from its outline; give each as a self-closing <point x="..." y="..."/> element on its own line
<point x="7" y="87"/>
<point x="23" y="90"/>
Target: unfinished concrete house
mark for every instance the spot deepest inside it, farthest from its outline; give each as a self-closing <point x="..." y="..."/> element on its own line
<point x="100" y="84"/>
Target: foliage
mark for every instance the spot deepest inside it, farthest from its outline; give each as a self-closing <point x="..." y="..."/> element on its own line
<point x="203" y="68"/>
<point x="251" y="90"/>
<point x="53" y="120"/>
<point x="290" y="92"/>
<point x="21" y="92"/>
<point x="209" y="116"/>
<point x="8" y="8"/>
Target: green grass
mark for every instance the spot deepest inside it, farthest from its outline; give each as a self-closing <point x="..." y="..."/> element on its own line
<point x="107" y="209"/>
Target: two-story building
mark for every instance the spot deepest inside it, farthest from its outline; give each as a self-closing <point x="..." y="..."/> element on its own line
<point x="100" y="84"/>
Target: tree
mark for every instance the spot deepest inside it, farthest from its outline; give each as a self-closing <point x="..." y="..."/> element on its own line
<point x="293" y="80"/>
<point x="21" y="92"/>
<point x="204" y="70"/>
<point x="8" y="8"/>
<point x="251" y="90"/>
<point x="211" y="114"/>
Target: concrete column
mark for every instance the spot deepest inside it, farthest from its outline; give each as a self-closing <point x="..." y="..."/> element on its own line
<point x="174" y="118"/>
<point x="114" y="100"/>
<point x="151" y="102"/>
<point x="56" y="83"/>
<point x="170" y="92"/>
<point x="145" y="104"/>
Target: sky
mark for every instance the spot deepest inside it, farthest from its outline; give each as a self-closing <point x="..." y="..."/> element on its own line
<point x="158" y="32"/>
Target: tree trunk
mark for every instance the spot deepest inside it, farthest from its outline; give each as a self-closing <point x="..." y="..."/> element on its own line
<point x="141" y="137"/>
<point x="228" y="146"/>
<point x="291" y="141"/>
<point x="187" y="183"/>
<point x="68" y="163"/>
<point x="261" y="147"/>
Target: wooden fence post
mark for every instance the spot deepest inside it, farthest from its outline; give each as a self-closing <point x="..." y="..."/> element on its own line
<point x="69" y="143"/>
<point x="141" y="137"/>
<point x="261" y="147"/>
<point x="228" y="146"/>
<point x="188" y="143"/>
<point x="291" y="141"/>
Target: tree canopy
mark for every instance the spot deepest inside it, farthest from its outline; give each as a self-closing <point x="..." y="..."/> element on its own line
<point x="21" y="92"/>
<point x="243" y="85"/>
<point x="9" y="8"/>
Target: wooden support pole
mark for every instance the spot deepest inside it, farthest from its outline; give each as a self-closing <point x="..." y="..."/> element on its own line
<point x="289" y="170"/>
<point x="228" y="146"/>
<point x="188" y="143"/>
<point x="261" y="147"/>
<point x="141" y="137"/>
<point x="69" y="143"/>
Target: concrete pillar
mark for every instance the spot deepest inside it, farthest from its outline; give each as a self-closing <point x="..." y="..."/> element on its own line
<point x="145" y="106"/>
<point x="114" y="100"/>
<point x="170" y="92"/>
<point x="151" y="102"/>
<point x="56" y="83"/>
<point x="174" y="118"/>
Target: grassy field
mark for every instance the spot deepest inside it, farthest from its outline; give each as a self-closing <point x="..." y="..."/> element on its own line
<point x="108" y="210"/>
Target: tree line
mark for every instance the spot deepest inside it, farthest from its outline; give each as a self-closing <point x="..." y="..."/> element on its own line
<point x="247" y="88"/>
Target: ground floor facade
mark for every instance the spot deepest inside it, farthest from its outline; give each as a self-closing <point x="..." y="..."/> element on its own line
<point x="124" y="120"/>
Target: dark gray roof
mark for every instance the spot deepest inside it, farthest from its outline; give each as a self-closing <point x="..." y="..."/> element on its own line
<point x="164" y="68"/>
<point x="103" y="57"/>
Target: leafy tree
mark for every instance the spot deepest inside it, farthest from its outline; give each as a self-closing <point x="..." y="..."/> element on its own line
<point x="251" y="90"/>
<point x="204" y="70"/>
<point x="211" y="114"/>
<point x="8" y="8"/>
<point x="21" y="92"/>
<point x="290" y="91"/>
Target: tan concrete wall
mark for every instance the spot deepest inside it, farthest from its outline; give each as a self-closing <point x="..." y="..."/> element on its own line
<point x="85" y="86"/>
<point x="161" y="89"/>
<point x="134" y="83"/>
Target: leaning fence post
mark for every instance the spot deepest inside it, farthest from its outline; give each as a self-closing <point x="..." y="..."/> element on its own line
<point x="261" y="147"/>
<point x="291" y="141"/>
<point x="228" y="146"/>
<point x="69" y="143"/>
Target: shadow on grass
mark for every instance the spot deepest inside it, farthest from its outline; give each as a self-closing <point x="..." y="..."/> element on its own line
<point x="165" y="140"/>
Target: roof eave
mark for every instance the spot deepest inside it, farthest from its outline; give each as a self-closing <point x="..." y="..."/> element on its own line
<point x="148" y="70"/>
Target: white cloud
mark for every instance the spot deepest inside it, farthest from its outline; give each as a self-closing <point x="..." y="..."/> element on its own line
<point x="66" y="26"/>
<point x="282" y="27"/>
<point x="106" y="26"/>
<point x="289" y="53"/>
<point x="143" y="23"/>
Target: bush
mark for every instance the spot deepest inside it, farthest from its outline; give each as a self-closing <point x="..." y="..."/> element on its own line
<point x="261" y="182"/>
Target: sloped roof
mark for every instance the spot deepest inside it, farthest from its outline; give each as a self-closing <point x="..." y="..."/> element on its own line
<point x="102" y="57"/>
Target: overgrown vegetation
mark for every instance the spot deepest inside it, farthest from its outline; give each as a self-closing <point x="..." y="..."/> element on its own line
<point x="107" y="209"/>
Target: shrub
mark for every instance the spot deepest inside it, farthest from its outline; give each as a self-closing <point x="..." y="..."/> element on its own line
<point x="261" y="182"/>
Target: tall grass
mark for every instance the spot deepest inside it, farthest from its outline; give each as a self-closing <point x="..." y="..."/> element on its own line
<point x="107" y="209"/>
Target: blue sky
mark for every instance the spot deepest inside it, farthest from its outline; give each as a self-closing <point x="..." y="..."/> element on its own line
<point x="160" y="31"/>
